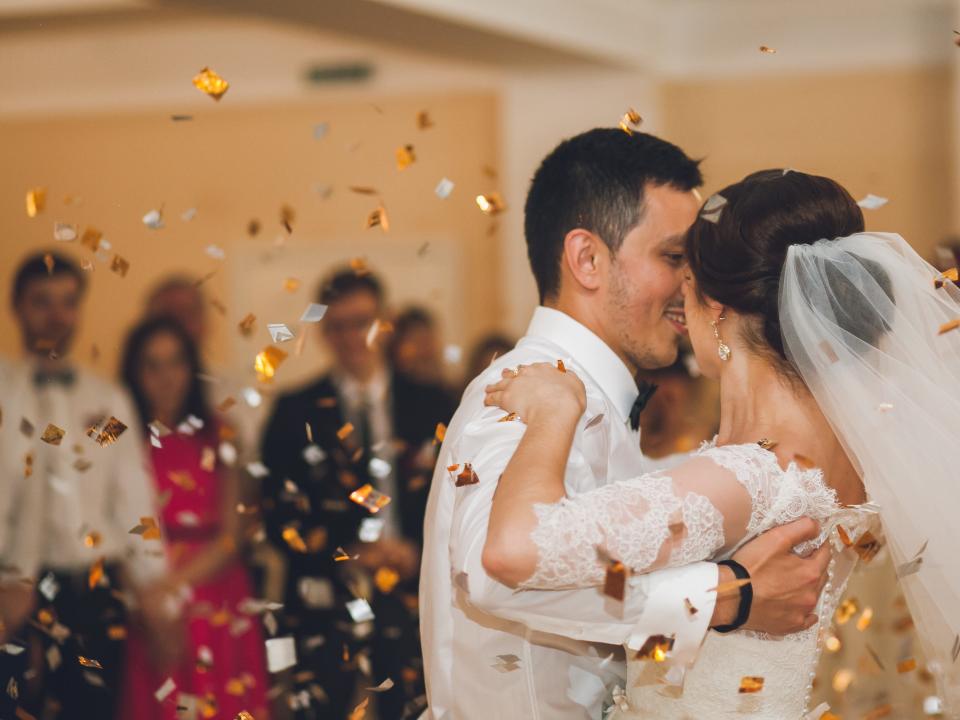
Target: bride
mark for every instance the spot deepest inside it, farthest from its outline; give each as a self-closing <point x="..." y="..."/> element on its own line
<point x="838" y="374"/>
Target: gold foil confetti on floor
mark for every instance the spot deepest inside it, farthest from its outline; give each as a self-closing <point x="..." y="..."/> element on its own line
<point x="209" y="82"/>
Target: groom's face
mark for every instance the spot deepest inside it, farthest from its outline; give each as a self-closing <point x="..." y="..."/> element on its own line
<point x="644" y="299"/>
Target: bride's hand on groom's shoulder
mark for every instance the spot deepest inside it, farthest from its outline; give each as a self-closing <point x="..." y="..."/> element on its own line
<point x="539" y="391"/>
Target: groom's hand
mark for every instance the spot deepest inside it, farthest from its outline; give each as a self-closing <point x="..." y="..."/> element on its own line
<point x="786" y="587"/>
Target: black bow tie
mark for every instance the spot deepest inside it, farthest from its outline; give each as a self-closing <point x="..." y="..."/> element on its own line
<point x="64" y="377"/>
<point x="646" y="392"/>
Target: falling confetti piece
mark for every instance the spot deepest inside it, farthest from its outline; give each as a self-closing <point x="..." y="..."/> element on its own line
<point x="362" y="190"/>
<point x="181" y="118"/>
<point x="279" y="332"/>
<point x="49" y="263"/>
<point x="320" y="130"/>
<point x="313" y="313"/>
<point x="766" y="50"/>
<point x="244" y="715"/>
<point x="96" y="574"/>
<point x="386" y="579"/>
<point x="52" y="435"/>
<point x="907" y="665"/>
<point x="506" y="663"/>
<point x="267" y="362"/>
<point x="832" y="643"/>
<point x="405" y="157"/>
<point x="382" y="687"/>
<point x="359" y="711"/>
<point x="885" y="407"/>
<point x="215" y="251"/>
<point x="872" y="202"/>
<point x="377" y="330"/>
<point x="91" y="239"/>
<point x="444" y="188"/>
<point x="345" y="430"/>
<point x="615" y="580"/>
<point x="89" y="662"/>
<point x="491" y="204"/>
<point x="842" y="679"/>
<point x="246" y="325"/>
<point x="154" y="219"/>
<point x="341" y="555"/>
<point x="655" y="648"/>
<point x="846" y="610"/>
<point x="378" y="218"/>
<point x="291" y="284"/>
<point x="281" y="654"/>
<point x="359" y="266"/>
<point x="803" y="461"/>
<point x="630" y="121"/>
<point x="440" y="433"/>
<point x="867" y="547"/>
<point x="424" y="122"/>
<point x="370" y="498"/>
<point x="212" y="84"/>
<point x="292" y="537"/>
<point x="561" y="367"/>
<point x="36" y="201"/>
<point x="360" y="610"/>
<point x="729" y="587"/>
<point x="712" y="208"/>
<point x="147" y="529"/>
<point x="467" y="476"/>
<point x="691" y="610"/>
<point x="866" y="617"/>
<point x="948" y="326"/>
<point x="108" y="433"/>
<point x="509" y="417"/>
<point x="120" y="266"/>
<point x="63" y="232"/>
<point x="92" y="539"/>
<point x="951" y="275"/>
<point x="287" y="215"/>
<point x="751" y="684"/>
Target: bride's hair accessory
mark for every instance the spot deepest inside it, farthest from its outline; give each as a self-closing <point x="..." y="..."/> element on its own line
<point x="887" y="386"/>
<point x="712" y="207"/>
<point x="723" y="350"/>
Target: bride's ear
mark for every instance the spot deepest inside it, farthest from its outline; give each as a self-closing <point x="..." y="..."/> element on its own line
<point x="585" y="257"/>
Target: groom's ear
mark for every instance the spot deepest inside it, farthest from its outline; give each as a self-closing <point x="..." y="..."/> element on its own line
<point x="585" y="257"/>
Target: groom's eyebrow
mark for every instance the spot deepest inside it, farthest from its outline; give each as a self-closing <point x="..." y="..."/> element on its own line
<point x="672" y="242"/>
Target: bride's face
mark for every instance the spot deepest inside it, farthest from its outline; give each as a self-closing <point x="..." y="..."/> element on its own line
<point x="699" y="328"/>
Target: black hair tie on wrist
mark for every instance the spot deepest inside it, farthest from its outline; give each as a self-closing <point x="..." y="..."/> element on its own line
<point x="746" y="597"/>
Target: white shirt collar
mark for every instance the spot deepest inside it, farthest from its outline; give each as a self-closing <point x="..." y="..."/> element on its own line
<point x="590" y="352"/>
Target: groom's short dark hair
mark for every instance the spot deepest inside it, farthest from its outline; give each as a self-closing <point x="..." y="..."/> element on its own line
<point x="596" y="181"/>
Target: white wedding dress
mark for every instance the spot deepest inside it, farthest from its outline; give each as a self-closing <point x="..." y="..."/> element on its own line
<point x="684" y="515"/>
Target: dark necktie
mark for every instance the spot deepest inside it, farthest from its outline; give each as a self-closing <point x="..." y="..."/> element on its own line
<point x="364" y="430"/>
<point x="65" y="377"/>
<point x="646" y="392"/>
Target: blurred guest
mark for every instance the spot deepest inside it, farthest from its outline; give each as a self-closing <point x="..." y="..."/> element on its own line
<point x="415" y="348"/>
<point x="682" y="413"/>
<point x="180" y="297"/>
<point x="69" y="525"/>
<point x="361" y="423"/>
<point x="484" y="352"/>
<point x="222" y="669"/>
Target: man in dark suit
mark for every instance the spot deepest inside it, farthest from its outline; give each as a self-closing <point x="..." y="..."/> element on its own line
<point x="334" y="449"/>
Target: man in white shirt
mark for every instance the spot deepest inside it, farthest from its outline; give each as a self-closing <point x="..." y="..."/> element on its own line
<point x="605" y="221"/>
<point x="74" y="484"/>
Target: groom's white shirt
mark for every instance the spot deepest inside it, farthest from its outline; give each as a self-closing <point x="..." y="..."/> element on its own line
<point x="561" y="639"/>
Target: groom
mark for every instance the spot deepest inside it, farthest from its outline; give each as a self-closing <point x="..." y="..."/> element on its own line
<point x="605" y="220"/>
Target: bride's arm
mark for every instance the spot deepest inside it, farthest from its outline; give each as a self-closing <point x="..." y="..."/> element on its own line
<point x="537" y="538"/>
<point x="550" y="402"/>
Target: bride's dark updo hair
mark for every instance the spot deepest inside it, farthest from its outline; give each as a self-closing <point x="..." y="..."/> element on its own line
<point x="738" y="259"/>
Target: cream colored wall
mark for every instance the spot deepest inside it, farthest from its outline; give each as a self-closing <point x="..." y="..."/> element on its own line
<point x="233" y="165"/>
<point x="886" y="133"/>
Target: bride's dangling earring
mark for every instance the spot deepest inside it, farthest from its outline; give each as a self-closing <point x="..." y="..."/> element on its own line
<point x="723" y="350"/>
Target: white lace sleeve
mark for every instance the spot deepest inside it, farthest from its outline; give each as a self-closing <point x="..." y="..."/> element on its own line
<point x="700" y="508"/>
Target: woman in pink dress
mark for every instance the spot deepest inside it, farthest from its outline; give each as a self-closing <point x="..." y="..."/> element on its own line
<point x="221" y="669"/>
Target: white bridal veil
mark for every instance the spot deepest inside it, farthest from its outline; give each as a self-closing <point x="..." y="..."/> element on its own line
<point x="868" y="330"/>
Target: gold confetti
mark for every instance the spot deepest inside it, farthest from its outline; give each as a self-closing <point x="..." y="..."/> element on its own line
<point x="108" y="433"/>
<point x="832" y="643"/>
<point x="766" y="444"/>
<point x="803" y="461"/>
<point x="655" y="648"/>
<point x="951" y="275"/>
<point x="467" y="476"/>
<point x="440" y="433"/>
<point x="36" y="201"/>
<point x="246" y="325"/>
<point x="287" y="215"/>
<point x="691" y="610"/>
<point x="96" y="574"/>
<point x="344" y="432"/>
<point x="244" y="715"/>
<point x="147" y="529"/>
<point x="360" y="711"/>
<point x="879" y="712"/>
<point x="182" y="479"/>
<point x="235" y="687"/>
<point x="52" y="435"/>
<point x="117" y="632"/>
<point x="378" y="218"/>
<point x="630" y="121"/>
<point x="370" y="498"/>
<point x="491" y="204"/>
<point x="212" y="84"/>
<point x="561" y="367"/>
<point x="509" y="417"/>
<point x="751" y="684"/>
<point x="316" y="539"/>
<point x="863" y="622"/>
<point x="907" y="665"/>
<point x="92" y="539"/>
<point x="386" y="579"/>
<point x="91" y="239"/>
<point x="341" y="555"/>
<point x="292" y="537"/>
<point x="226" y="404"/>
<point x="89" y="662"/>
<point x="291" y="284"/>
<point x="48" y="261"/>
<point x="728" y="587"/>
<point x="768" y="50"/>
<point x="846" y="610"/>
<point x="208" y="459"/>
<point x="120" y="266"/>
<point x="615" y="580"/>
<point x="267" y="362"/>
<point x="423" y="120"/>
<point x="948" y="326"/>
<point x="842" y="679"/>
<point x="362" y="190"/>
<point x="405" y="157"/>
